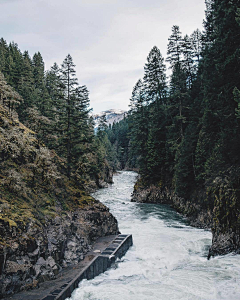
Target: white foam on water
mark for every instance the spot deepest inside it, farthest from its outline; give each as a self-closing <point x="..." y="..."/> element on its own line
<point x="168" y="259"/>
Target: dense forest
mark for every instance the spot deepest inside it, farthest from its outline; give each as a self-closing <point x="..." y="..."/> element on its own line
<point x="184" y="134"/>
<point x="50" y="160"/>
<point x="56" y="108"/>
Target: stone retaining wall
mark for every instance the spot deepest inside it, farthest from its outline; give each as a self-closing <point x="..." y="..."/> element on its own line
<point x="98" y="265"/>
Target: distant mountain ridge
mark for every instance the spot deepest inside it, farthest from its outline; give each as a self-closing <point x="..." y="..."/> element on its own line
<point x="112" y="115"/>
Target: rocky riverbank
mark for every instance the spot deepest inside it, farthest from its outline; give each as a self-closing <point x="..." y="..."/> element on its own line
<point x="197" y="216"/>
<point x="211" y="208"/>
<point x="40" y="252"/>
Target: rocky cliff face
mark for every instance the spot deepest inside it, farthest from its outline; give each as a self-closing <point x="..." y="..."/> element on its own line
<point x="224" y="192"/>
<point x="37" y="253"/>
<point x="47" y="221"/>
<point x="197" y="216"/>
<point x="215" y="207"/>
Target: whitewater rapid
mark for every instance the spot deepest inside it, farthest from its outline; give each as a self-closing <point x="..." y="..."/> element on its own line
<point x="168" y="259"/>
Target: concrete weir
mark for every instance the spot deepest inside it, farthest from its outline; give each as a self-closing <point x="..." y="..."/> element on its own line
<point x="98" y="265"/>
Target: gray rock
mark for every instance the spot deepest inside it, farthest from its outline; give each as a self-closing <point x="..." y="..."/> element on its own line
<point x="41" y="261"/>
<point x="38" y="254"/>
<point x="51" y="262"/>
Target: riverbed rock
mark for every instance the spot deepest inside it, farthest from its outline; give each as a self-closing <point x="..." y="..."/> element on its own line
<point x="224" y="243"/>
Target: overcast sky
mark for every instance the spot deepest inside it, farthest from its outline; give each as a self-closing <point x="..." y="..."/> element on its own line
<point x="109" y="40"/>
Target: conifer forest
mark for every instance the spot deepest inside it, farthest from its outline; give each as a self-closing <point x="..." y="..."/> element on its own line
<point x="184" y="136"/>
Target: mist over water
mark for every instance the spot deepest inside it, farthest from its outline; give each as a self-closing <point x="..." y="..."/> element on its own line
<point x="168" y="259"/>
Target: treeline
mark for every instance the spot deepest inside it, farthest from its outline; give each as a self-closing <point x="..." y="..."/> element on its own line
<point x="185" y="134"/>
<point x="56" y="108"/>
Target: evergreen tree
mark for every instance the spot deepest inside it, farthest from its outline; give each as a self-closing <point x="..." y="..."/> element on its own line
<point x="155" y="77"/>
<point x="9" y="98"/>
<point x="138" y="124"/>
<point x="180" y="61"/>
<point x="26" y="86"/>
<point x="188" y="60"/>
<point x="174" y="49"/>
<point x="219" y="137"/>
<point x="197" y="45"/>
<point x="3" y="54"/>
<point x="118" y="136"/>
<point x="156" y="89"/>
<point x="13" y="65"/>
<point x="38" y="70"/>
<point x="102" y="127"/>
<point x="56" y="91"/>
<point x="81" y="132"/>
<point x="69" y="80"/>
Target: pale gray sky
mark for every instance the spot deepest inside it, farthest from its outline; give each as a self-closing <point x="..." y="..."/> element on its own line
<point x="109" y="40"/>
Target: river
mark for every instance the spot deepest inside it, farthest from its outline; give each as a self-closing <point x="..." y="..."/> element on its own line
<point x="168" y="259"/>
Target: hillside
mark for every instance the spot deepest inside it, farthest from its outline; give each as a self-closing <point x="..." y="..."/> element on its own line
<point x="47" y="221"/>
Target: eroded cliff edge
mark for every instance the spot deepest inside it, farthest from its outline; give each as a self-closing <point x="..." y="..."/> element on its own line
<point x="216" y="207"/>
<point x="47" y="221"/>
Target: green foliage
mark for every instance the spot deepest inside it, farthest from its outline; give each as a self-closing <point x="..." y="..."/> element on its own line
<point x="219" y="136"/>
<point x="185" y="169"/>
<point x="118" y="137"/>
<point x="8" y="96"/>
<point x="56" y="112"/>
<point x="32" y="181"/>
<point x="187" y="135"/>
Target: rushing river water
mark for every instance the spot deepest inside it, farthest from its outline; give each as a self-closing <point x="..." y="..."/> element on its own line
<point x="168" y="259"/>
